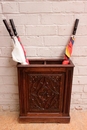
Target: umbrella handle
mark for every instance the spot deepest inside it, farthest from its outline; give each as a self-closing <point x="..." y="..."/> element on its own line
<point x="8" y="27"/>
<point x="13" y="27"/>
<point x="75" y="26"/>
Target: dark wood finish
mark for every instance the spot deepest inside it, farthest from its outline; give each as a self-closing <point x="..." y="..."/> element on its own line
<point x="45" y="91"/>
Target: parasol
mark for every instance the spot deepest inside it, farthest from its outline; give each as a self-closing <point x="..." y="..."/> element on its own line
<point x="69" y="47"/>
<point x="18" y="54"/>
<point x="16" y="34"/>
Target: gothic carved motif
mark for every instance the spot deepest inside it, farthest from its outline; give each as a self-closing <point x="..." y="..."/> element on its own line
<point x="44" y="92"/>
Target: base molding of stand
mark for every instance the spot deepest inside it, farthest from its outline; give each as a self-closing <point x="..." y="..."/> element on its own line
<point x="25" y="119"/>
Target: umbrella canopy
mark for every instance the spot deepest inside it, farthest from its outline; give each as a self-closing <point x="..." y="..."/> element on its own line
<point x="16" y="34"/>
<point x="69" y="47"/>
<point x="18" y="54"/>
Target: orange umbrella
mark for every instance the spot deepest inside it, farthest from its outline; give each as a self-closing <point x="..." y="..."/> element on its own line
<point x="69" y="47"/>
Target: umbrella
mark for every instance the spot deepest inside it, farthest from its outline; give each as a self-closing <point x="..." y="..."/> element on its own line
<point x="69" y="47"/>
<point x="16" y="34"/>
<point x="18" y="52"/>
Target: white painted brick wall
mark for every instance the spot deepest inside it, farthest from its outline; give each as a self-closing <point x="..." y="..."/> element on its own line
<point x="41" y="30"/>
<point x="45" y="27"/>
<point x="10" y="7"/>
<point x="35" y="7"/>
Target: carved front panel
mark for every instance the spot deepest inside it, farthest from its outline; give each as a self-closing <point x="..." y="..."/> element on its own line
<point x="45" y="92"/>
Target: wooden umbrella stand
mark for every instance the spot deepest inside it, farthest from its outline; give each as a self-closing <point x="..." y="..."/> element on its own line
<point x="45" y="91"/>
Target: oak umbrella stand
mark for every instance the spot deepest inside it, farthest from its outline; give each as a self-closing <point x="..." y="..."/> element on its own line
<point x="45" y="91"/>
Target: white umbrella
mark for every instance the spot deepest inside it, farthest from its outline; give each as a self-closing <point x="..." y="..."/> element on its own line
<point x="18" y="52"/>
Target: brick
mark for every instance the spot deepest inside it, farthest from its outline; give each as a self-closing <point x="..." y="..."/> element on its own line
<point x="15" y="96"/>
<point x="84" y="101"/>
<point x="56" y="19"/>
<point x="6" y="51"/>
<point x="55" y="40"/>
<point x="10" y="7"/>
<point x="65" y="30"/>
<point x="1" y="80"/>
<point x="10" y="89"/>
<point x="78" y="51"/>
<point x="1" y="96"/>
<point x="82" y="18"/>
<point x="1" y="17"/>
<point x="8" y="71"/>
<point x="57" y="51"/>
<point x="77" y="96"/>
<point x="35" y="7"/>
<point x="85" y="6"/>
<point x="5" y="107"/>
<point x="30" y="52"/>
<point x="14" y="108"/>
<point x="0" y="51"/>
<point x="60" y="6"/>
<point x="77" y="101"/>
<point x="77" y="7"/>
<point x="83" y="71"/>
<point x="85" y="88"/>
<point x="82" y="61"/>
<point x="9" y="97"/>
<point x="72" y="107"/>
<point x="7" y="61"/>
<point x="80" y="70"/>
<point x="77" y="89"/>
<point x="82" y="30"/>
<point x="6" y="96"/>
<point x="0" y="108"/>
<point x="84" y="95"/>
<point x="45" y="52"/>
<point x="0" y="8"/>
<point x="3" y="31"/>
<point x="10" y="102"/>
<point x="80" y="41"/>
<point x="5" y="41"/>
<point x="76" y="70"/>
<point x="80" y="80"/>
<point x="40" y="30"/>
<point x="32" y="41"/>
<point x="8" y="80"/>
<point x="68" y="7"/>
<point x="20" y="30"/>
<point x="22" y="19"/>
<point x="74" y="101"/>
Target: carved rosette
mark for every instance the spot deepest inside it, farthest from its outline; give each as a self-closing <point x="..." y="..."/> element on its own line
<point x="44" y="92"/>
